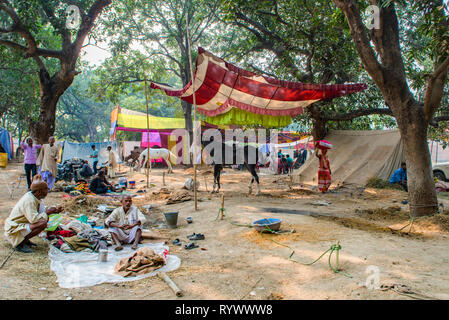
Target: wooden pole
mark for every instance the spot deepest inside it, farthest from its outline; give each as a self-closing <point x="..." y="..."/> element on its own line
<point x="195" y="194"/>
<point x="171" y="284"/>
<point x="148" y="134"/>
<point x="222" y="207"/>
<point x="163" y="178"/>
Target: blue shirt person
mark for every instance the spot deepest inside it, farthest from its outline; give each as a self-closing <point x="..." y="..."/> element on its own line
<point x="95" y="158"/>
<point x="400" y="176"/>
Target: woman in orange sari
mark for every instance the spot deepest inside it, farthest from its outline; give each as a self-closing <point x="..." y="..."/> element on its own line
<point x="324" y="171"/>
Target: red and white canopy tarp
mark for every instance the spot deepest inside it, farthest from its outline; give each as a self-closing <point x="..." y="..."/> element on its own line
<point x="221" y="86"/>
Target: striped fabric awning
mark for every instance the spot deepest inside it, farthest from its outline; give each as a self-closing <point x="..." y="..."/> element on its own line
<point x="221" y="86"/>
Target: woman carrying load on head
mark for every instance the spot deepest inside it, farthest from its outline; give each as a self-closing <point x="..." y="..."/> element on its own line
<point x="324" y="170"/>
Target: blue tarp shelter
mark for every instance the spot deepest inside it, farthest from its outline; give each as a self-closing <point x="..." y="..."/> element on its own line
<point x="5" y="141"/>
<point x="84" y="150"/>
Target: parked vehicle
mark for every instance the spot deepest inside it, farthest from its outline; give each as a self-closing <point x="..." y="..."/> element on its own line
<point x="441" y="171"/>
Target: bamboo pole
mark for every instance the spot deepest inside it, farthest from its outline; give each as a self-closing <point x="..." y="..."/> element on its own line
<point x="171" y="284"/>
<point x="195" y="193"/>
<point x="148" y="133"/>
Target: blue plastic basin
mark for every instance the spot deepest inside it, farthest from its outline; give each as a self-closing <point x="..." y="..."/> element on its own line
<point x="272" y="223"/>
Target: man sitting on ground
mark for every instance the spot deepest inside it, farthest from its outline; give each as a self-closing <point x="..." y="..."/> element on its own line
<point x="125" y="224"/>
<point x="86" y="171"/>
<point x="399" y="177"/>
<point x="99" y="184"/>
<point x="26" y="220"/>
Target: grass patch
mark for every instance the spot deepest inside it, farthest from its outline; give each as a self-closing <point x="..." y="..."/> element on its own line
<point x="378" y="183"/>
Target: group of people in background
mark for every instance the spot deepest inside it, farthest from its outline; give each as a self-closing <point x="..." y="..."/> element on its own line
<point x="45" y="164"/>
<point x="285" y="163"/>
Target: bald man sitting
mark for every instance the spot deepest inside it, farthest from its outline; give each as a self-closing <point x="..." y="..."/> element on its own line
<point x="26" y="220"/>
<point x="125" y="224"/>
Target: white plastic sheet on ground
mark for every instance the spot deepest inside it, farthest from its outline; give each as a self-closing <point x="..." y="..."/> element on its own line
<point x="82" y="269"/>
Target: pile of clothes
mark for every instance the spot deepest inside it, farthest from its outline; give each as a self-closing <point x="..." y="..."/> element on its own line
<point x="143" y="261"/>
<point x="76" y="235"/>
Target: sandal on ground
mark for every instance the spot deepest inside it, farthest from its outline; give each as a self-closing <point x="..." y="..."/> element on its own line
<point x="24" y="249"/>
<point x="190" y="246"/>
<point x="118" y="248"/>
<point x="196" y="236"/>
<point x="177" y="242"/>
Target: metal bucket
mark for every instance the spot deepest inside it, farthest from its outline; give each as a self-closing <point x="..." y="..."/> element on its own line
<point x="172" y="219"/>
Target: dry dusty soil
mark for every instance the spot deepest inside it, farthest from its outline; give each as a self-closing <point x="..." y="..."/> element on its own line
<point x="236" y="262"/>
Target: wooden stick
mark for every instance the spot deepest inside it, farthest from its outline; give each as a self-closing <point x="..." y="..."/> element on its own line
<point x="163" y="178"/>
<point x="251" y="288"/>
<point x="222" y="207"/>
<point x="7" y="258"/>
<point x="148" y="132"/>
<point x="171" y="284"/>
<point x="195" y="193"/>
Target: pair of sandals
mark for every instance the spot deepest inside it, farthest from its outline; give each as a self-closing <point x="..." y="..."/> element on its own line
<point x="194" y="236"/>
<point x="188" y="246"/>
<point x="191" y="245"/>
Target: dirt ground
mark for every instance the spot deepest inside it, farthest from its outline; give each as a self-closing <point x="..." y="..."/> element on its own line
<point x="239" y="263"/>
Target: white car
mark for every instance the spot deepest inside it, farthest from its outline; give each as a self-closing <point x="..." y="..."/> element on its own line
<point x="441" y="171"/>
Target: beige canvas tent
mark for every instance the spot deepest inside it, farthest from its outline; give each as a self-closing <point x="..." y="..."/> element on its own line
<point x="357" y="156"/>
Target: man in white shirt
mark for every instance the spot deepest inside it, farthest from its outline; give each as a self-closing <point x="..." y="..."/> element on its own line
<point x="125" y="224"/>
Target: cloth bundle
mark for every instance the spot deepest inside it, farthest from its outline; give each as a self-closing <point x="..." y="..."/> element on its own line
<point x="143" y="261"/>
<point x="323" y="145"/>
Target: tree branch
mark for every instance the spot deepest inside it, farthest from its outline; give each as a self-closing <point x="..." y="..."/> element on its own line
<point x="356" y="114"/>
<point x="87" y="25"/>
<point x="361" y="41"/>
<point x="435" y="88"/>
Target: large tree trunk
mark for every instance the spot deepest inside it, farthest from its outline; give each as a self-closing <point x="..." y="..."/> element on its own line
<point x="421" y="187"/>
<point x="51" y="90"/>
<point x="319" y="129"/>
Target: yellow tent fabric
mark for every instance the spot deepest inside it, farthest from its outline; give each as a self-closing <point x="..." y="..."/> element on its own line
<point x="243" y="117"/>
<point x="129" y="120"/>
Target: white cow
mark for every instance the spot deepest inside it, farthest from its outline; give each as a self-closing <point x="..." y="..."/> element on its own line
<point x="156" y="154"/>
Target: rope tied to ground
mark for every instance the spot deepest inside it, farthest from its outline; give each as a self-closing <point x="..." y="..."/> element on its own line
<point x="334" y="248"/>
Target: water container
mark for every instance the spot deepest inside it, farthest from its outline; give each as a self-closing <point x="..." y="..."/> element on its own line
<point x="172" y="219"/>
<point x="3" y="160"/>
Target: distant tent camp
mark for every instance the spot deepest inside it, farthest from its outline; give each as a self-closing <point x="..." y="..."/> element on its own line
<point x="357" y="156"/>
